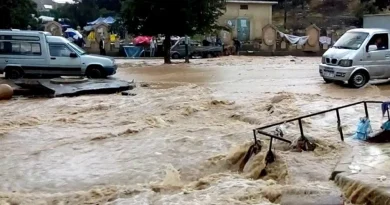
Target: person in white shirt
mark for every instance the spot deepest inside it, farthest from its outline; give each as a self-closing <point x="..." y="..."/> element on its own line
<point x="101" y="46"/>
<point x="153" y="46"/>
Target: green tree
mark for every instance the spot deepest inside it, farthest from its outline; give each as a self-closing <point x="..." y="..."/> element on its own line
<point x="366" y="7"/>
<point x="18" y="14"/>
<point x="380" y="4"/>
<point x="174" y="17"/>
<point x="112" y="6"/>
<point x="79" y="13"/>
<point x="289" y="6"/>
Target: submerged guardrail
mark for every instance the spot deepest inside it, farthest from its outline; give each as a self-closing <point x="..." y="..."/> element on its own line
<point x="261" y="131"/>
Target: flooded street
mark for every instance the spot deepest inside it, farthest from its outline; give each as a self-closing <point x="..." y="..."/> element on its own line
<point x="179" y="139"/>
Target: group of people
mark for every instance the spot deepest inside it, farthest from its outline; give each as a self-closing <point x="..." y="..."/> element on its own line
<point x="79" y="41"/>
<point x="152" y="44"/>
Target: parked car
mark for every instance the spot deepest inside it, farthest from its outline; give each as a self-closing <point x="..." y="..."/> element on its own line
<point x="359" y="56"/>
<point x="40" y="53"/>
<point x="179" y="50"/>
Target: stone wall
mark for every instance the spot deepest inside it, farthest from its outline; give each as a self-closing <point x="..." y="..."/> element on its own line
<point x="271" y="41"/>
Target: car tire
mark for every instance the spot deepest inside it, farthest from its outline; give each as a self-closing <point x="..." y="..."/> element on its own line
<point x="95" y="72"/>
<point x="14" y="73"/>
<point x="327" y="81"/>
<point x="358" y="79"/>
<point x="175" y="56"/>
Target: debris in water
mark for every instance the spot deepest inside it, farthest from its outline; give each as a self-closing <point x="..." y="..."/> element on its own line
<point x="127" y="93"/>
<point x="304" y="144"/>
<point x="382" y="178"/>
<point x="172" y="180"/>
<point x="354" y="168"/>
<point x="144" y="85"/>
<point x="222" y="102"/>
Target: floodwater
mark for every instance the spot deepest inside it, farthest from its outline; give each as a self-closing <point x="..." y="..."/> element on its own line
<point x="180" y="139"/>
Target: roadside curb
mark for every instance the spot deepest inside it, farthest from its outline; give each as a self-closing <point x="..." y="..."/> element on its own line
<point x="361" y="186"/>
<point x="359" y="192"/>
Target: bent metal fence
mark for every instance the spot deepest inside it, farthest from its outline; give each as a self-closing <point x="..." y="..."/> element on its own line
<point x="260" y="130"/>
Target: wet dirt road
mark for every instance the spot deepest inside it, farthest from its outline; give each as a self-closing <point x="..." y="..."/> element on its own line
<point x="178" y="140"/>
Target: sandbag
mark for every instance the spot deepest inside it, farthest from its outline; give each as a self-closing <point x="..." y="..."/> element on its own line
<point x="6" y="92"/>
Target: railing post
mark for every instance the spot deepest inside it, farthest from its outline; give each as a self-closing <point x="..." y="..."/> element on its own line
<point x="300" y="126"/>
<point x="366" y="110"/>
<point x="339" y="128"/>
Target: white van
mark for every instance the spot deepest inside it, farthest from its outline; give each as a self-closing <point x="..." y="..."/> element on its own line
<point x="40" y="53"/>
<point x="358" y="56"/>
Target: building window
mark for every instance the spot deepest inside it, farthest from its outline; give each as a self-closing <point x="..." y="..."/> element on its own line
<point x="244" y="7"/>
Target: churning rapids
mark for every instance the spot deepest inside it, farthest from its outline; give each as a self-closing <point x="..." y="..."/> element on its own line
<point x="179" y="140"/>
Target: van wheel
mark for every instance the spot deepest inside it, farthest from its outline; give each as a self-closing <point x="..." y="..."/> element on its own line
<point x="14" y="73"/>
<point x="358" y="79"/>
<point x="95" y="72"/>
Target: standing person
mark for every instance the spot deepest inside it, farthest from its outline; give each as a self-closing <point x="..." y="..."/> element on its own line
<point x="80" y="42"/>
<point x="152" y="47"/>
<point x="237" y="44"/>
<point x="101" y="46"/>
<point x="218" y="41"/>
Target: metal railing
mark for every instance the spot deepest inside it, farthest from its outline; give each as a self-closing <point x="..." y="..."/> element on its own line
<point x="261" y="131"/>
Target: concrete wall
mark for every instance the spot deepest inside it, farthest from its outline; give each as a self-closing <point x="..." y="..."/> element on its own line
<point x="259" y="15"/>
<point x="376" y="21"/>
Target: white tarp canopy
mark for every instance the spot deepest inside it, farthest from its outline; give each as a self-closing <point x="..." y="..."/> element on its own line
<point x="48" y="6"/>
<point x="325" y="40"/>
<point x="299" y="40"/>
<point x="46" y="18"/>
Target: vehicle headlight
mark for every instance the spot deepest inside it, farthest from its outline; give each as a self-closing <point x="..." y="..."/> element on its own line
<point x="345" y="63"/>
<point x="323" y="60"/>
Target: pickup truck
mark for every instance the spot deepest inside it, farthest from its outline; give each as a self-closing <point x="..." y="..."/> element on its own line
<point x="179" y="50"/>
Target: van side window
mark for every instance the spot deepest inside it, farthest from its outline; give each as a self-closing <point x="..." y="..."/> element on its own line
<point x="58" y="50"/>
<point x="380" y="40"/>
<point x="19" y="48"/>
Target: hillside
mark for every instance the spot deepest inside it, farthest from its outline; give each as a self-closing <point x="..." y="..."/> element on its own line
<point x="326" y="14"/>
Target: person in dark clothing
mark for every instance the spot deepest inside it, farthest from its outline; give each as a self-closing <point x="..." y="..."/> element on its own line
<point x="218" y="41"/>
<point x="380" y="45"/>
<point x="237" y="45"/>
<point x="205" y="42"/>
<point x="101" y="46"/>
<point x="80" y="42"/>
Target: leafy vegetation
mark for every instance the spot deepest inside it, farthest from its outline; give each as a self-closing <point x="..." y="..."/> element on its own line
<point x="174" y="17"/>
<point x="82" y="11"/>
<point x="18" y="14"/>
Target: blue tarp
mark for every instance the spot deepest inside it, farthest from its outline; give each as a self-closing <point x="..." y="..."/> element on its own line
<point x="363" y="129"/>
<point x="109" y="20"/>
<point x="70" y="32"/>
<point x="133" y="51"/>
<point x="100" y="19"/>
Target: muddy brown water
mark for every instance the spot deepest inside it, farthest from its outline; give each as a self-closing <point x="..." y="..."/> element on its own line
<point x="176" y="141"/>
